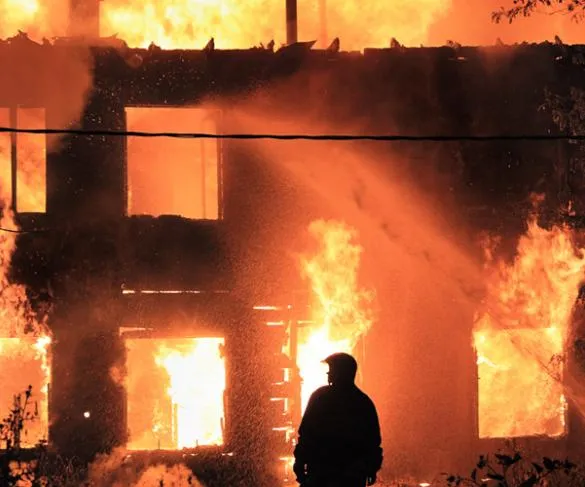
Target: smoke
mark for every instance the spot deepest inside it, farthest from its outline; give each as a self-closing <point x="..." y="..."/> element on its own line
<point x="387" y="213"/>
<point x="57" y="83"/>
<point x="56" y="79"/>
<point x="417" y="256"/>
<point x="428" y="280"/>
<point x="38" y="18"/>
<point x="118" y="470"/>
<point x="54" y="84"/>
<point x="469" y="23"/>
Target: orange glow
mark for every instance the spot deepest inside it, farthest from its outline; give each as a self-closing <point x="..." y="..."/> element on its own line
<point x="504" y="367"/>
<point x="175" y="392"/>
<point x="469" y="22"/>
<point x="31" y="156"/>
<point x="189" y="24"/>
<point x="342" y="311"/>
<point x="38" y="18"/>
<point x="172" y="176"/>
<point x="24" y="340"/>
<point x="521" y="336"/>
<point x="24" y="362"/>
<point x="19" y="13"/>
<point x="5" y="159"/>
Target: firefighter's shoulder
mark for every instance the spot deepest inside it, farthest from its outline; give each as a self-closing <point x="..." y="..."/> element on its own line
<point x="323" y="391"/>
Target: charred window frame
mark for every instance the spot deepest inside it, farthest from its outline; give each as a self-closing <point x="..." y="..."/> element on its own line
<point x="213" y="123"/>
<point x="24" y="159"/>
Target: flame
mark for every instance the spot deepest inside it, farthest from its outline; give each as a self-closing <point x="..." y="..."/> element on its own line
<point x="189" y="24"/>
<point x="343" y="313"/>
<point x="23" y="361"/>
<point x="197" y="385"/>
<point x="175" y="392"/>
<point x="520" y="338"/>
<point x="17" y="14"/>
<point x="38" y="18"/>
<point x="24" y="339"/>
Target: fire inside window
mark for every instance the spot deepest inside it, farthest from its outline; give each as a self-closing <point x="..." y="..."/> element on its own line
<point x="172" y="176"/>
<point x="175" y="392"/>
<point x="24" y="363"/>
<point x="27" y="153"/>
<point x="520" y="383"/>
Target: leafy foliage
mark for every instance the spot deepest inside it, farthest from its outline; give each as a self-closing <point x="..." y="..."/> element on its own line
<point x="13" y="425"/>
<point x="568" y="112"/>
<point x="501" y="470"/>
<point x="525" y="8"/>
<point x="31" y="467"/>
<point x="14" y="469"/>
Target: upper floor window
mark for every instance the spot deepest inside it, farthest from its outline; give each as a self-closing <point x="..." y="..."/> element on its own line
<point x="27" y="155"/>
<point x="168" y="176"/>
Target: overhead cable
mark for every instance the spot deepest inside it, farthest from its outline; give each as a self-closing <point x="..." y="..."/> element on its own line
<point x="314" y="137"/>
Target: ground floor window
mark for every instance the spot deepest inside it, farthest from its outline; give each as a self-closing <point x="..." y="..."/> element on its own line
<point x="520" y="389"/>
<point x="175" y="392"/>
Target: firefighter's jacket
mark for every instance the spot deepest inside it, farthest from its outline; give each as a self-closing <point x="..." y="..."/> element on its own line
<point x="340" y="433"/>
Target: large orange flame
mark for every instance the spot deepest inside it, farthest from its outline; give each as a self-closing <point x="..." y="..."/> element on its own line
<point x="189" y="24"/>
<point x="520" y="338"/>
<point x="342" y="313"/>
<point x="176" y="392"/>
<point x="197" y="386"/>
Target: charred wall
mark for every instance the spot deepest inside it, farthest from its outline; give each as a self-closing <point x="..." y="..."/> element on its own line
<point x="94" y="249"/>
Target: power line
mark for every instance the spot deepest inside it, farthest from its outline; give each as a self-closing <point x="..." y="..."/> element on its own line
<point x="33" y="230"/>
<point x="316" y="137"/>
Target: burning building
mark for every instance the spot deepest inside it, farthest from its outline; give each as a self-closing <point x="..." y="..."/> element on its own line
<point x="188" y="316"/>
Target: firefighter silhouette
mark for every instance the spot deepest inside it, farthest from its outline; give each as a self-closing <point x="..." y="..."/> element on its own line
<point x="339" y="442"/>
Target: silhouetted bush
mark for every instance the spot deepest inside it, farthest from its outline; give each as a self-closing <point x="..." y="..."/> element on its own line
<point x="513" y="470"/>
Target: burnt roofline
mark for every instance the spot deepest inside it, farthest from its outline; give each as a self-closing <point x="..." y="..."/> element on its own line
<point x="21" y="40"/>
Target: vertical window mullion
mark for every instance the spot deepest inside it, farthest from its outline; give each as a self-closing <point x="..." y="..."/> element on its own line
<point x="13" y="119"/>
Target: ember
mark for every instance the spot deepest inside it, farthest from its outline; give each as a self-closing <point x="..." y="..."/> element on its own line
<point x="521" y="336"/>
<point x="175" y="390"/>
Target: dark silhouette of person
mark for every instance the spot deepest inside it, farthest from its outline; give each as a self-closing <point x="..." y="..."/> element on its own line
<point x="339" y="442"/>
